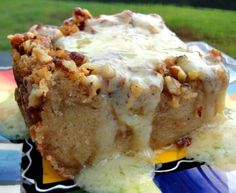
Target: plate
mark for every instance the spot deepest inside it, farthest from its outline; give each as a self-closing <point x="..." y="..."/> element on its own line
<point x="174" y="174"/>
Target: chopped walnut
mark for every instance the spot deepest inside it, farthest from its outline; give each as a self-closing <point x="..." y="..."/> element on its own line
<point x="193" y="75"/>
<point x="27" y="46"/>
<point x="33" y="45"/>
<point x="37" y="92"/>
<point x="81" y="15"/>
<point x="59" y="53"/>
<point x="93" y="84"/>
<point x="30" y="35"/>
<point x="162" y="69"/>
<point x="107" y="72"/>
<point x="70" y="65"/>
<point x="76" y="23"/>
<point x="173" y="85"/>
<point x="170" y="61"/>
<point x="69" y="27"/>
<point x="178" y="73"/>
<point x="17" y="39"/>
<point x="78" y="58"/>
<point x="46" y="30"/>
<point x="41" y="55"/>
<point x="85" y="70"/>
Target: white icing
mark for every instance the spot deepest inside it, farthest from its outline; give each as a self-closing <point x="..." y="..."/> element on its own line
<point x="132" y="45"/>
<point x="118" y="174"/>
<point x="124" y="50"/>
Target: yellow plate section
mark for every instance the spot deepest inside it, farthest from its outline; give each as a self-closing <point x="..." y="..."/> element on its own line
<point x="49" y="174"/>
<point x="169" y="155"/>
<point x="162" y="156"/>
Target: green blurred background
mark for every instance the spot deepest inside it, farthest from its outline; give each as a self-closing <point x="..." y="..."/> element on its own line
<point x="216" y="26"/>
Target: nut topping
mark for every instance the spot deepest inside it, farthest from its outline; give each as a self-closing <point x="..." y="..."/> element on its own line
<point x="107" y="71"/>
<point x="193" y="75"/>
<point x="69" y="27"/>
<point x="81" y="15"/>
<point x="41" y="55"/>
<point x="78" y="58"/>
<point x="70" y="65"/>
<point x="178" y="73"/>
<point x="173" y="85"/>
<point x="170" y="62"/>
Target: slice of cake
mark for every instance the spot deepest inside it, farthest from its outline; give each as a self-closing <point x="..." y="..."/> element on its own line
<point x="115" y="84"/>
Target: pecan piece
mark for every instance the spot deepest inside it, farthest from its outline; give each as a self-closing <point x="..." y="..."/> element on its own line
<point x="69" y="27"/>
<point x="17" y="39"/>
<point x="81" y="15"/>
<point x="173" y="85"/>
<point x="170" y="61"/>
<point x="41" y="55"/>
<point x="178" y="73"/>
<point x="78" y="58"/>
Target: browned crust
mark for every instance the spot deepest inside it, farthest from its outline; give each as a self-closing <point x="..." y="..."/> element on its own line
<point x="34" y="59"/>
